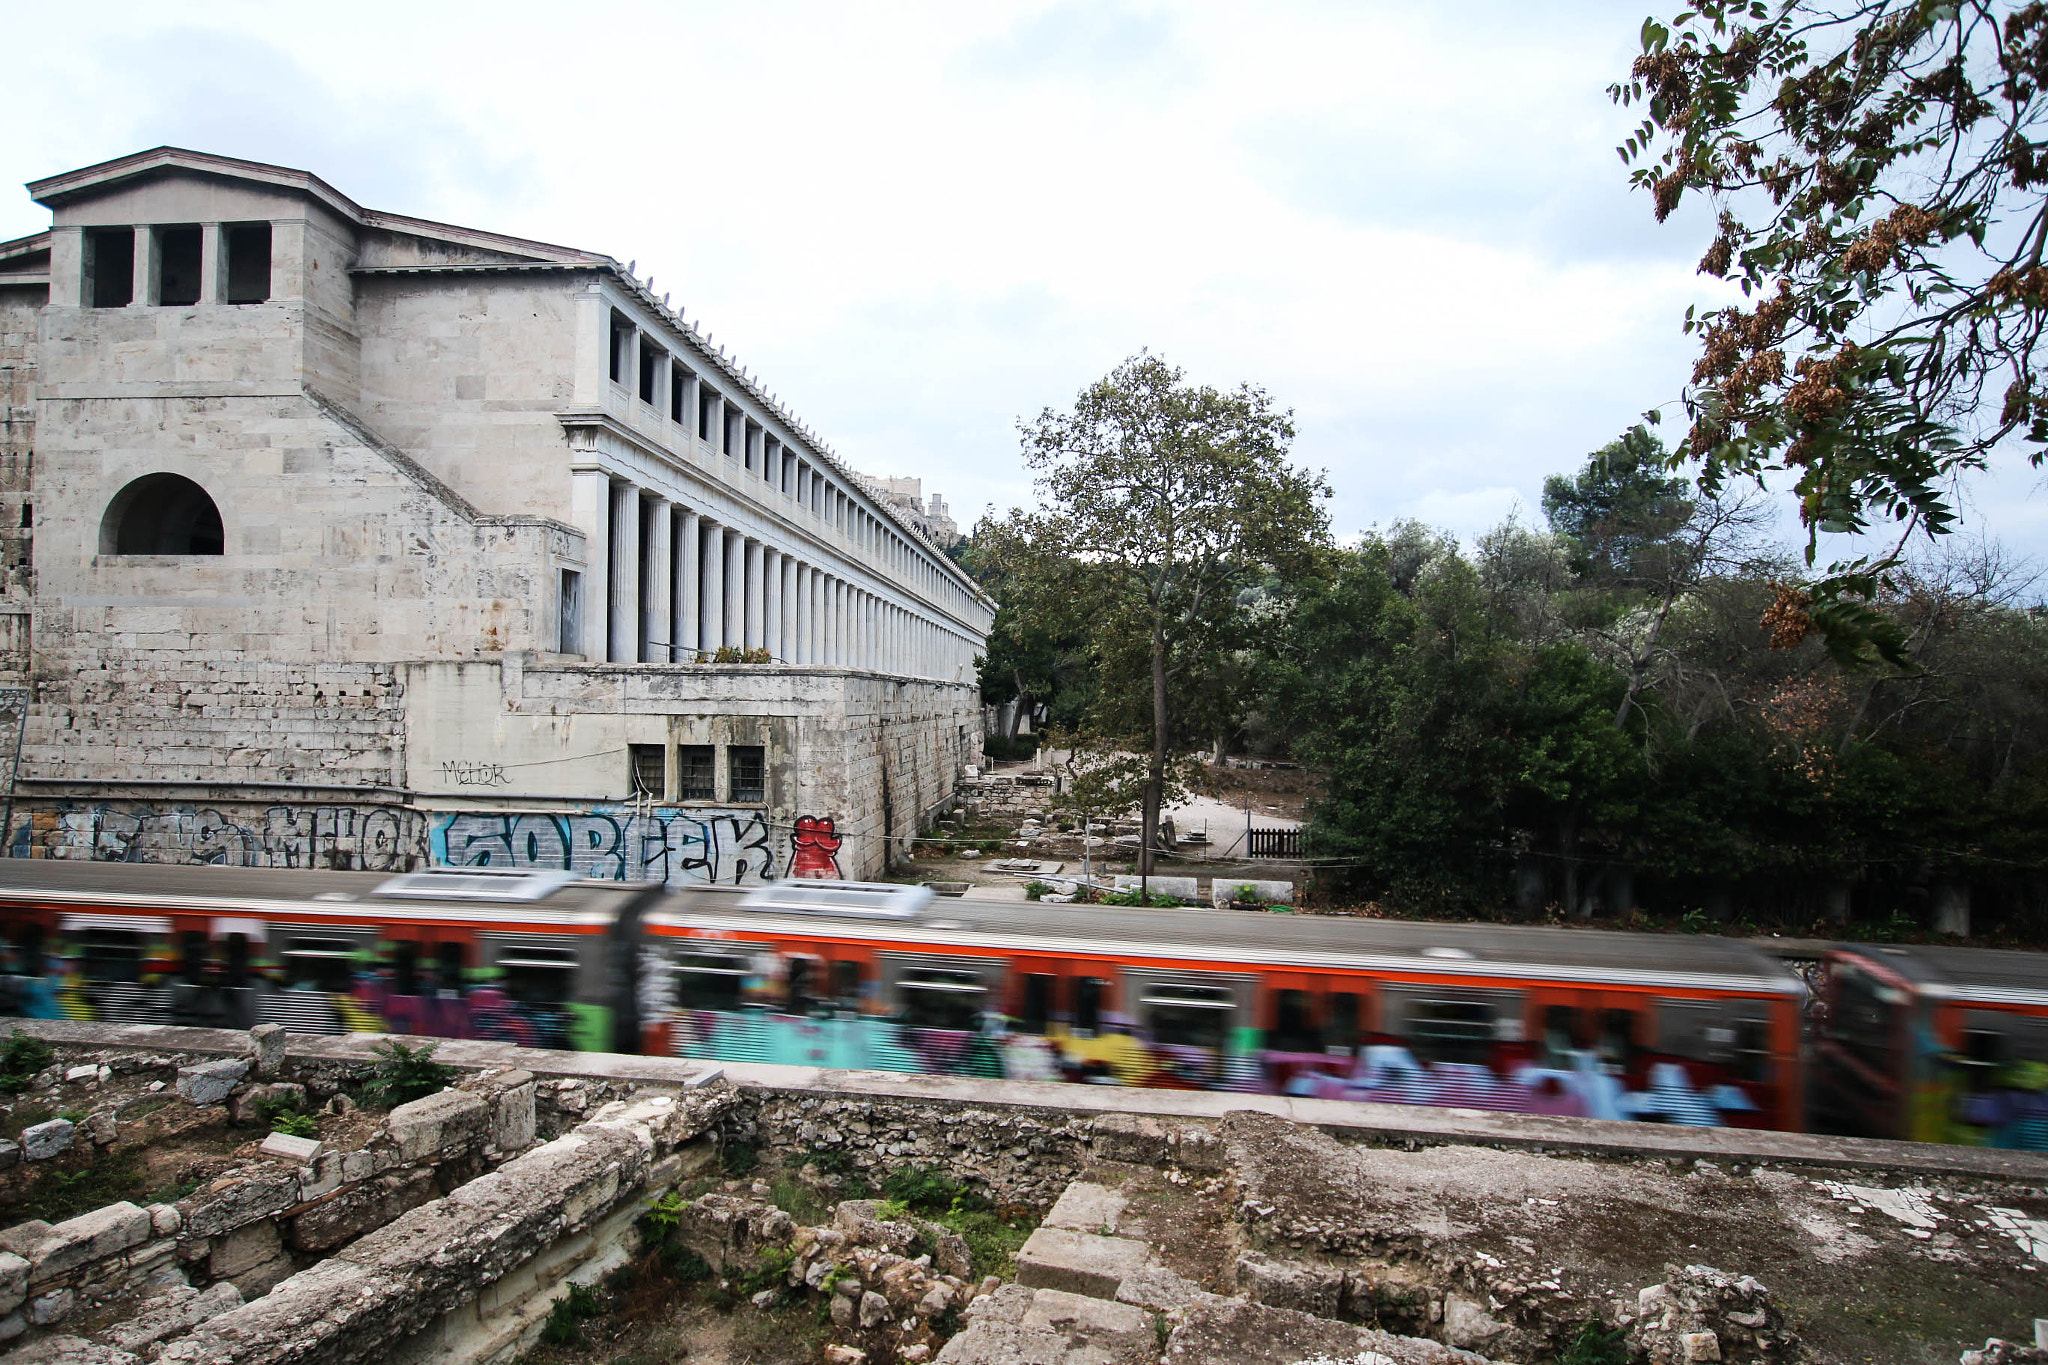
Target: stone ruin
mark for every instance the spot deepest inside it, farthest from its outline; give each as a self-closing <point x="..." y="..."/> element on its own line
<point x="1198" y="1233"/>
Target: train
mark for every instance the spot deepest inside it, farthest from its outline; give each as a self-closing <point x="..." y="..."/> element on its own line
<point x="1933" y="1043"/>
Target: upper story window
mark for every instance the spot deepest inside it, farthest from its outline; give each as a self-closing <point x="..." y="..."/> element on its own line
<point x="707" y="403"/>
<point x="162" y="514"/>
<point x="109" y="267"/>
<point x="678" y="393"/>
<point x="621" y="346"/>
<point x="651" y="357"/>
<point x="248" y="262"/>
<point x="178" y="251"/>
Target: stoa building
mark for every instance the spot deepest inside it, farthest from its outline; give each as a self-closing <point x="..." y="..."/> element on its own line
<point x="334" y="537"/>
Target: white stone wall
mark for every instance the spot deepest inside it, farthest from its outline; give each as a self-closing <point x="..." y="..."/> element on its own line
<point x="408" y="448"/>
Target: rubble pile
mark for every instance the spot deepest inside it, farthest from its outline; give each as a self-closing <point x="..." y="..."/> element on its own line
<point x="1702" y="1314"/>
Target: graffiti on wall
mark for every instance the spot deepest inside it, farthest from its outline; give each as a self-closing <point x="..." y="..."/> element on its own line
<point x="731" y="847"/>
<point x="369" y="838"/>
<point x="814" y="848"/>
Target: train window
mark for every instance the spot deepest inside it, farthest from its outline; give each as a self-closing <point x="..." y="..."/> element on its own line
<point x="709" y="981"/>
<point x="799" y="998"/>
<point x="449" y="960"/>
<point x="405" y="967"/>
<point x="539" y="974"/>
<point x="1452" y="1030"/>
<point x="1088" y="992"/>
<point x="846" y="979"/>
<point x="1037" y="1003"/>
<point x="111" y="955"/>
<point x="1294" y="1028"/>
<point x="28" y="949"/>
<point x="1340" y="1030"/>
<point x="1562" y="1029"/>
<point x="1185" y="1014"/>
<point x="192" y="956"/>
<point x="238" y="961"/>
<point x="1617" y="1036"/>
<point x="941" y="997"/>
<point x="1864" y="1019"/>
<point x="318" y="964"/>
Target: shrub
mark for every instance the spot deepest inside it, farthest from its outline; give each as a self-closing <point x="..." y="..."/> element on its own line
<point x="1131" y="897"/>
<point x="1596" y="1344"/>
<point x="296" y="1125"/>
<point x="21" y="1059"/>
<point x="403" y="1073"/>
<point x="564" y="1326"/>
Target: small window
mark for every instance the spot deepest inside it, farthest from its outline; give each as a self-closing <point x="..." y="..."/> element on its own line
<point x="569" y="631"/>
<point x="1088" y="992"/>
<point x="678" y="393"/>
<point x="747" y="766"/>
<point x="1294" y="1027"/>
<point x="707" y="399"/>
<point x="248" y="262"/>
<point x="162" y="514"/>
<point x="697" y="772"/>
<point x="846" y="980"/>
<point x="941" y="998"/>
<point x="1341" y="1031"/>
<point x="621" y="345"/>
<point x="177" y="266"/>
<point x="450" y="959"/>
<point x="110" y="267"/>
<point x="651" y="357"/>
<point x="649" y="778"/>
<point x="1037" y="1003"/>
<point x="405" y="967"/>
<point x="111" y="955"/>
<point x="318" y="964"/>
<point x="709" y="981"/>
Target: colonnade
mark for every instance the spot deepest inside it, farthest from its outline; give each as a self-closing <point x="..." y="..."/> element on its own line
<point x="668" y="584"/>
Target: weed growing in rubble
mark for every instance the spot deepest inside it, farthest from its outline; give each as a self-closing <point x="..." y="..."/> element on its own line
<point x="1596" y="1344"/>
<point x="665" y="1215"/>
<point x="564" y="1326"/>
<point x="21" y="1059"/>
<point x="993" y="1235"/>
<point x="296" y="1125"/>
<point x="402" y="1073"/>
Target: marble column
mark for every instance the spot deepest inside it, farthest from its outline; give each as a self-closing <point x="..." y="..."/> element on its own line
<point x="591" y="510"/>
<point x="657" y="637"/>
<point x="755" y="606"/>
<point x="689" y="580"/>
<point x="735" y="547"/>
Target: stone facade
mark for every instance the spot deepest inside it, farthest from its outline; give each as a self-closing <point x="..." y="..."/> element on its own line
<point x="357" y="530"/>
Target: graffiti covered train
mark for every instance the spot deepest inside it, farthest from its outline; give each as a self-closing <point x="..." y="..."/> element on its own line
<point x="1676" y="1029"/>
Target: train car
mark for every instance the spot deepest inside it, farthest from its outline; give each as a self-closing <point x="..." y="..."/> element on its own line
<point x="1936" y="1044"/>
<point x="471" y="953"/>
<point x="1689" y="1030"/>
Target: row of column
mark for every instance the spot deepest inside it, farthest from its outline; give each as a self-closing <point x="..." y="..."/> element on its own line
<point x="675" y="584"/>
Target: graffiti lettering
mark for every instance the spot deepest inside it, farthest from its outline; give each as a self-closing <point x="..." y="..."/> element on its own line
<point x="728" y="847"/>
<point x="814" y="848"/>
<point x="475" y="774"/>
<point x="367" y="838"/>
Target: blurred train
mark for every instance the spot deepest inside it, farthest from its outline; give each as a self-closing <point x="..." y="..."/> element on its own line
<point x="1942" y="1044"/>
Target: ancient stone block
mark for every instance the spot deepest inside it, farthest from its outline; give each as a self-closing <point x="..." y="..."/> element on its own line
<point x="13" y="1281"/>
<point x="238" y="1198"/>
<point x="268" y="1044"/>
<point x="359" y="1208"/>
<point x="210" y="1082"/>
<point x="88" y="1237"/>
<point x="435" y="1123"/>
<point x="1079" y="1262"/>
<point x="285" y="1147"/>
<point x="54" y="1306"/>
<point x="42" y="1141"/>
<point x="180" y="1310"/>
<point x="1115" y="1329"/>
<point x="1086" y="1207"/>
<point x="1290" y="1284"/>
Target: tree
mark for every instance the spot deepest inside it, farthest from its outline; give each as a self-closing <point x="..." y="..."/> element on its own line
<point x="1641" y="542"/>
<point x="1879" y="168"/>
<point x="1160" y="501"/>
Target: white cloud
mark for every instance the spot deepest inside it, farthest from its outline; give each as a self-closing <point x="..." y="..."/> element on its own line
<point x="921" y="221"/>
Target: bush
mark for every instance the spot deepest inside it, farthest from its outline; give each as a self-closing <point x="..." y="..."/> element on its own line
<point x="1033" y="890"/>
<point x="564" y="1326"/>
<point x="21" y="1059"/>
<point x="402" y="1073"/>
<point x="1596" y="1344"/>
<point x="1131" y="897"/>
<point x="296" y="1125"/>
<point x="999" y="750"/>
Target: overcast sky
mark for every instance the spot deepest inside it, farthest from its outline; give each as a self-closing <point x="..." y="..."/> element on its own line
<point x="918" y="223"/>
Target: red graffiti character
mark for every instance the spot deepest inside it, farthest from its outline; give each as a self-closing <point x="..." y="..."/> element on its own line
<point x="814" y="848"/>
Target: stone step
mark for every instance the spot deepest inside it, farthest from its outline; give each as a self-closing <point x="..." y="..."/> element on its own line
<point x="1079" y="1262"/>
<point x="1086" y="1207"/>
<point x="1021" y="1326"/>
